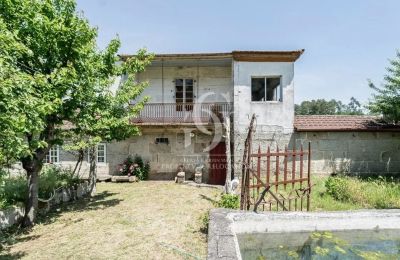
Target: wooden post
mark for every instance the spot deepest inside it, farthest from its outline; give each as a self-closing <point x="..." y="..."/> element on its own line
<point x="244" y="196"/>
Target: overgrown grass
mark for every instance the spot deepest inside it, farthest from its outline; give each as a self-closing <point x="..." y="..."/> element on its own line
<point x="350" y="193"/>
<point x="379" y="193"/>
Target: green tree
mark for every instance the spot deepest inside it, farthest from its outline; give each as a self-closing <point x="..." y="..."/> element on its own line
<point x="21" y="108"/>
<point x="331" y="107"/>
<point x="68" y="77"/>
<point x="386" y="100"/>
<point x="353" y="108"/>
<point x="316" y="107"/>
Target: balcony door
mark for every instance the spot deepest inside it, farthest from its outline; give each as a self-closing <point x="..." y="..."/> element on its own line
<point x="184" y="94"/>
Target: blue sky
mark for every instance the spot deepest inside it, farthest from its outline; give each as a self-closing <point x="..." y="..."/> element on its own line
<point x="346" y="42"/>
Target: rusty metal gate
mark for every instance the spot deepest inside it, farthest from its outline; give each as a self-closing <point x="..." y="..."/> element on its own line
<point x="275" y="180"/>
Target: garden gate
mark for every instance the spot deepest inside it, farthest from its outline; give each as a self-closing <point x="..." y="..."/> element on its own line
<point x="275" y="180"/>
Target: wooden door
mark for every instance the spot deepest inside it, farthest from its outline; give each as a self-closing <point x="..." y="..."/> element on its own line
<point x="218" y="165"/>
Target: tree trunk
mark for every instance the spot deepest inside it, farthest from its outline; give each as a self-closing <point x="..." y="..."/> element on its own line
<point x="78" y="164"/>
<point x="92" y="170"/>
<point x="32" y="167"/>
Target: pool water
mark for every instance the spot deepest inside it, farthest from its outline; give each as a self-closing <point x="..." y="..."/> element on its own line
<point x="354" y="244"/>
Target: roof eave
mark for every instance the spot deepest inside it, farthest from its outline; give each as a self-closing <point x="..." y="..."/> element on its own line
<point x="253" y="56"/>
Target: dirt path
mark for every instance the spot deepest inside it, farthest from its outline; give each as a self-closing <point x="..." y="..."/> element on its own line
<point x="146" y="220"/>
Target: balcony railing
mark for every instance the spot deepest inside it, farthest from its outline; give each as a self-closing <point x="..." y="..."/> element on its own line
<point x="177" y="113"/>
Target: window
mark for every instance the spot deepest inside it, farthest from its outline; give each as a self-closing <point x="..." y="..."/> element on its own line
<point x="54" y="155"/>
<point x="184" y="94"/>
<point x="101" y="153"/>
<point x="162" y="140"/>
<point x="266" y="89"/>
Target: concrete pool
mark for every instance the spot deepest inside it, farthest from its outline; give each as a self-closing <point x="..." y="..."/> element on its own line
<point x="247" y="235"/>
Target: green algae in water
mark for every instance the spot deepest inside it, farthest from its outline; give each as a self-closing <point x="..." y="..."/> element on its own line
<point x="353" y="244"/>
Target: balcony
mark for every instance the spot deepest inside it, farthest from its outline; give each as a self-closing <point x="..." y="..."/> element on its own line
<point x="182" y="114"/>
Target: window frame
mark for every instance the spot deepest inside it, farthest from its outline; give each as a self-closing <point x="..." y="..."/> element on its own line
<point x="185" y="105"/>
<point x="105" y="153"/>
<point x="97" y="153"/>
<point x="160" y="139"/>
<point x="280" y="91"/>
<point x="49" y="156"/>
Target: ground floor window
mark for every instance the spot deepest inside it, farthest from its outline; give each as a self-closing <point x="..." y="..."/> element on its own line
<point x="162" y="140"/>
<point x="101" y="153"/>
<point x="53" y="156"/>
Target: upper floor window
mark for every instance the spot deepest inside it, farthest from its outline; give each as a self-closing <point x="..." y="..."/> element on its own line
<point x="53" y="155"/>
<point x="184" y="94"/>
<point x="266" y="89"/>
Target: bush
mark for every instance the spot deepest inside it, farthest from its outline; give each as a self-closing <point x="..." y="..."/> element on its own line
<point x="229" y="201"/>
<point x="14" y="190"/>
<point x="338" y="188"/>
<point x="53" y="177"/>
<point x="135" y="167"/>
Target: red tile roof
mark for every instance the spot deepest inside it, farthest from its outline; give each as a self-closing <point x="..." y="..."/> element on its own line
<point x="341" y="123"/>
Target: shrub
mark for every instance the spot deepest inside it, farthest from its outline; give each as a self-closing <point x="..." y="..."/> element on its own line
<point x="14" y="190"/>
<point x="135" y="166"/>
<point x="53" y="177"/>
<point x="143" y="169"/>
<point x="229" y="201"/>
<point x="338" y="188"/>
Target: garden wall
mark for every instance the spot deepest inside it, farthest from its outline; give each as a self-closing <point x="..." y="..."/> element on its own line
<point x="353" y="152"/>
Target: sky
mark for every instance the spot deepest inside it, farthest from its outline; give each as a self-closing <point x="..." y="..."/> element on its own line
<point x="346" y="42"/>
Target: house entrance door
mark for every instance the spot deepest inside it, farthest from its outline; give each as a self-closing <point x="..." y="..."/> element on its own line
<point x="218" y="164"/>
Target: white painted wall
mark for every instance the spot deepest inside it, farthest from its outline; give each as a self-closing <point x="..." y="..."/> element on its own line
<point x="273" y="113"/>
<point x="212" y="82"/>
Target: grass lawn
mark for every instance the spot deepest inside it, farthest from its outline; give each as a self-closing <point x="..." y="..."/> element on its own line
<point x="145" y="220"/>
<point x="161" y="220"/>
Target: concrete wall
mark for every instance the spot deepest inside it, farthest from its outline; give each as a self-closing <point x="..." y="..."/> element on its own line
<point x="212" y="82"/>
<point x="274" y="124"/>
<point x="353" y="152"/>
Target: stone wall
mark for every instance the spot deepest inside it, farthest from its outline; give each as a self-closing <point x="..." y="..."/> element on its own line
<point x="263" y="136"/>
<point x="186" y="147"/>
<point x="353" y="152"/>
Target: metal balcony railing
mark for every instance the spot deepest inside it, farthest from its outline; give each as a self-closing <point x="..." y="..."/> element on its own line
<point x="177" y="113"/>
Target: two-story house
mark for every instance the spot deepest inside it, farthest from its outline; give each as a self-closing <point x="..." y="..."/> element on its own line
<point x="194" y="99"/>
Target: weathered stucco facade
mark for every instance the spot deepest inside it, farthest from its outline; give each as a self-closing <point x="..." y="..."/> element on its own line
<point x="274" y="119"/>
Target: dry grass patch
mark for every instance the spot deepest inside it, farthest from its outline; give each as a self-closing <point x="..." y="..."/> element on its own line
<point x="146" y="220"/>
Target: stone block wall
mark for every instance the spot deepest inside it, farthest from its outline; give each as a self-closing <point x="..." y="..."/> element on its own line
<point x="185" y="148"/>
<point x="353" y="152"/>
<point x="264" y="136"/>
